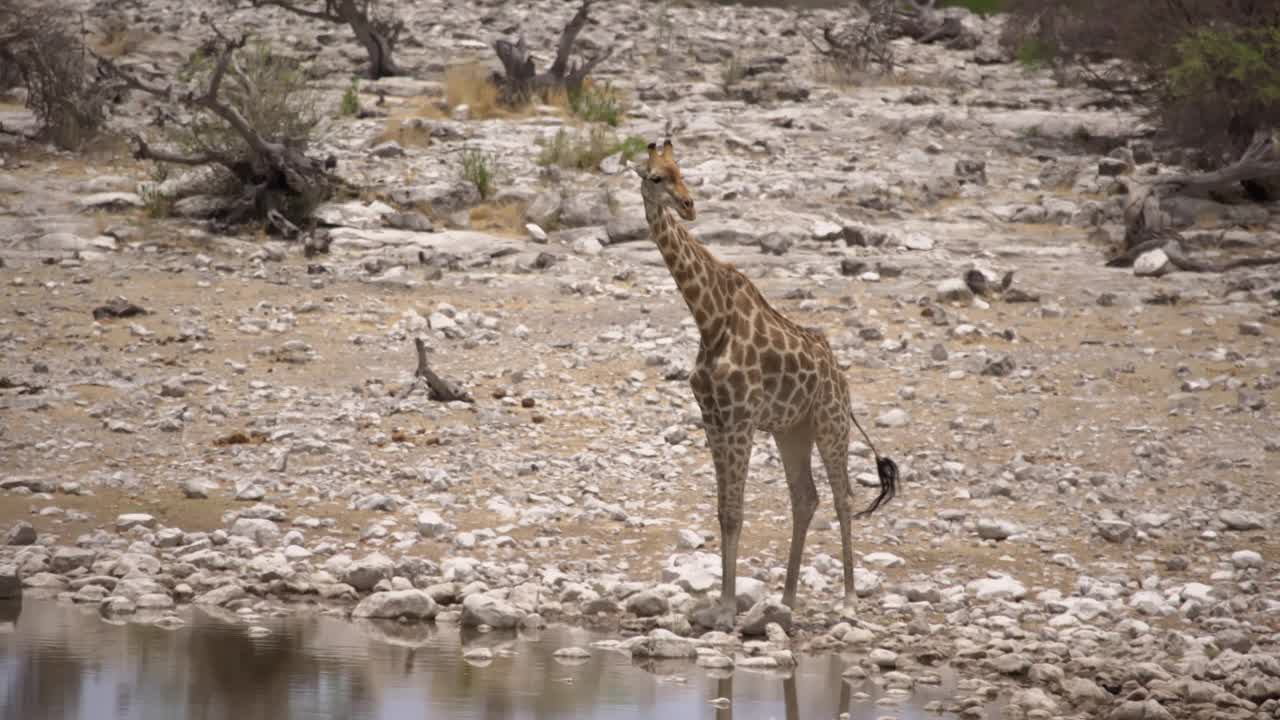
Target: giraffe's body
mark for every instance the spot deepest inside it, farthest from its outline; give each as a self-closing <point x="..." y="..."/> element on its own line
<point x="754" y="365"/>
<point x="755" y="370"/>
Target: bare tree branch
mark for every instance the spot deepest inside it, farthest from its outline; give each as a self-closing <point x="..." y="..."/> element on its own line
<point x="143" y="151"/>
<point x="438" y="388"/>
<point x="567" y="37"/>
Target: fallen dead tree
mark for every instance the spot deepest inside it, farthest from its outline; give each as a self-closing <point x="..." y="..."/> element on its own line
<point x="924" y="23"/>
<point x="1152" y="246"/>
<point x="864" y="42"/>
<point x="1258" y="165"/>
<point x="520" y="81"/>
<point x="377" y="32"/>
<point x="225" y="117"/>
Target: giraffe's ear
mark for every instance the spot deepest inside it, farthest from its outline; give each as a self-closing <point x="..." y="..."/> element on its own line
<point x="668" y="150"/>
<point x="653" y="152"/>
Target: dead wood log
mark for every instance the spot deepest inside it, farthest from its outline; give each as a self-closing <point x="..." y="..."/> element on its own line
<point x="923" y="22"/>
<point x="378" y="34"/>
<point x="1260" y="162"/>
<point x="438" y="388"/>
<point x="1148" y="228"/>
<point x="1182" y="261"/>
<point x="520" y="81"/>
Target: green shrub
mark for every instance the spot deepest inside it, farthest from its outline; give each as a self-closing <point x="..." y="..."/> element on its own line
<point x="1223" y="85"/>
<point x="632" y="146"/>
<point x="732" y="72"/>
<point x="1034" y="52"/>
<point x="155" y="204"/>
<point x="584" y="150"/>
<point x="271" y="94"/>
<point x="596" y="103"/>
<point x="1246" y="60"/>
<point x="982" y="7"/>
<point x="478" y="169"/>
<point x="350" y="106"/>
<point x="1208" y="71"/>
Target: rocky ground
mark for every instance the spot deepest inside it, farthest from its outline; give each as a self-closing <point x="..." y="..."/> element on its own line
<point x="1087" y="501"/>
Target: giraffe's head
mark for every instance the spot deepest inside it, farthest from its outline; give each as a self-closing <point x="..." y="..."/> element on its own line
<point x="662" y="184"/>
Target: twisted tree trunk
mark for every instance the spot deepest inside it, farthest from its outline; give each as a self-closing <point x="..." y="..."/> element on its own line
<point x="377" y="35"/>
<point x="521" y="82"/>
<point x="1149" y="228"/>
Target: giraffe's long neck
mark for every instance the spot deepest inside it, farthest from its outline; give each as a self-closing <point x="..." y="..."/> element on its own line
<point x="693" y="269"/>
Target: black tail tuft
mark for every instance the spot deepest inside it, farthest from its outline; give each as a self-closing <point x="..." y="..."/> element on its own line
<point x="888" y="471"/>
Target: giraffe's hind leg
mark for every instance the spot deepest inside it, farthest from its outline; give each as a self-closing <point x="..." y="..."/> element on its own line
<point x="795" y="445"/>
<point x="833" y="445"/>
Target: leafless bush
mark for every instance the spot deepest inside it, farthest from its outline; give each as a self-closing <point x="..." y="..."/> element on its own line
<point x="42" y="51"/>
<point x="862" y="44"/>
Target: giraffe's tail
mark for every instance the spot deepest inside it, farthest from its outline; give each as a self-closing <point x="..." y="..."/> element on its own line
<point x="886" y="468"/>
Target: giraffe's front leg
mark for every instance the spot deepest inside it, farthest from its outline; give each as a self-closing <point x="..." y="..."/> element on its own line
<point x="731" y="451"/>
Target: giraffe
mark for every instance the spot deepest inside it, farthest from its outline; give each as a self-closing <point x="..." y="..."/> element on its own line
<point x="756" y="370"/>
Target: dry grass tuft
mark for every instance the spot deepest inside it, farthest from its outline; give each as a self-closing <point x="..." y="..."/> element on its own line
<point x="404" y="124"/>
<point x="503" y="218"/>
<point x="470" y="85"/>
<point x="120" y="42"/>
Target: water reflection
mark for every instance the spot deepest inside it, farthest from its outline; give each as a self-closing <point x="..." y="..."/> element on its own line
<point x="61" y="662"/>
<point x="9" y="612"/>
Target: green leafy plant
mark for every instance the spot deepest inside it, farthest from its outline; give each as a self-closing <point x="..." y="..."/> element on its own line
<point x="631" y="146"/>
<point x="732" y="72"/>
<point x="581" y="150"/>
<point x="1242" y="65"/>
<point x="981" y="7"/>
<point x="269" y="90"/>
<point x="1207" y="72"/>
<point x="350" y="106"/>
<point x="1034" y="52"/>
<point x="478" y="169"/>
<point x="596" y="103"/>
<point x="155" y="204"/>
<point x="159" y="172"/>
